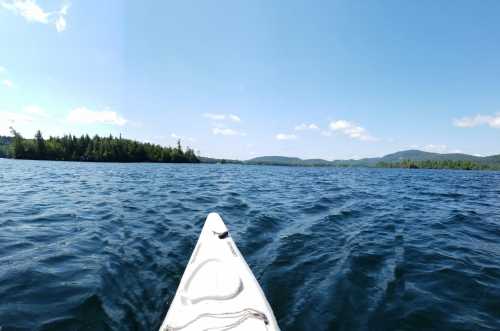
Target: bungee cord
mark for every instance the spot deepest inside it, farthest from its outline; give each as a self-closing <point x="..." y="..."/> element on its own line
<point x="243" y="315"/>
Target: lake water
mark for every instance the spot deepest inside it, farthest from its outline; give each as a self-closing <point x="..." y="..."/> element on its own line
<point x="87" y="246"/>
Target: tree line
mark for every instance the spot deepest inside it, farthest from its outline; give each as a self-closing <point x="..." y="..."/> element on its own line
<point x="96" y="149"/>
<point x="4" y="146"/>
<point x="441" y="164"/>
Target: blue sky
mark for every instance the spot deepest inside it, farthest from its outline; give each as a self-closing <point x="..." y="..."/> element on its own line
<point x="238" y="79"/>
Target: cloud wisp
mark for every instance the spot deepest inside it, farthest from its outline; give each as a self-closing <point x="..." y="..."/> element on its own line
<point x="492" y="121"/>
<point x="219" y="126"/>
<point x="227" y="132"/>
<point x="11" y="119"/>
<point x="222" y="117"/>
<point x="234" y="118"/>
<point x="83" y="115"/>
<point x="35" y="110"/>
<point x="8" y="83"/>
<point x="285" y="136"/>
<point x="351" y="130"/>
<point x="33" y="13"/>
<point x="305" y="126"/>
<point x="28" y="114"/>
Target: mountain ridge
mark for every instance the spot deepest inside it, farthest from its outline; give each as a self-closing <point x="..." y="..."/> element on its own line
<point x="400" y="156"/>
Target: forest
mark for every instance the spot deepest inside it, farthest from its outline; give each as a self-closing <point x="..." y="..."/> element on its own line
<point x="94" y="149"/>
<point x="438" y="164"/>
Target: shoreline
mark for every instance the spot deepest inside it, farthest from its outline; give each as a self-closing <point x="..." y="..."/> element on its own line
<point x="244" y="163"/>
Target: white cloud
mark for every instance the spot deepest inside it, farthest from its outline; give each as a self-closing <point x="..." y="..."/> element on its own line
<point x="285" y="136"/>
<point x="8" y="119"/>
<point x="8" y="83"/>
<point x="14" y="118"/>
<point x="60" y="24"/>
<point x="305" y="126"/>
<point x="82" y="115"/>
<point x="27" y="120"/>
<point x="470" y="122"/>
<point x="222" y="117"/>
<point x="224" y="132"/>
<point x="435" y="148"/>
<point x="351" y="130"/>
<point x="215" y="117"/>
<point x="220" y="128"/>
<point x="227" y="132"/>
<point x="27" y="9"/>
<point x="61" y="20"/>
<point x="35" y="110"/>
<point x="32" y="12"/>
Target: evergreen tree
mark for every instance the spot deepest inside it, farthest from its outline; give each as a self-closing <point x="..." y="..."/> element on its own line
<point x="18" y="144"/>
<point x="98" y="149"/>
<point x="40" y="145"/>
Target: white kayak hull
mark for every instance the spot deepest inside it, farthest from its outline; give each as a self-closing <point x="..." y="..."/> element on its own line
<point x="218" y="291"/>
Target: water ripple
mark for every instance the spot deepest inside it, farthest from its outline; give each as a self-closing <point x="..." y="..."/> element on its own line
<point x="89" y="246"/>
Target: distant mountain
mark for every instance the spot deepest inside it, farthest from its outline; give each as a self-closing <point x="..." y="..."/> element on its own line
<point x="295" y="161"/>
<point x="416" y="155"/>
<point x="408" y="155"/>
<point x="316" y="162"/>
<point x="289" y="161"/>
<point x="204" y="159"/>
<point x="276" y="160"/>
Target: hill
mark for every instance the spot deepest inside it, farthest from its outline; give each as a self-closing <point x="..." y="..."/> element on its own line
<point x="276" y="160"/>
<point x="204" y="159"/>
<point x="416" y="155"/>
<point x="389" y="159"/>
<point x="288" y="161"/>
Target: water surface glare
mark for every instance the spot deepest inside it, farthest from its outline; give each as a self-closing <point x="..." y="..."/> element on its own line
<point x="89" y="246"/>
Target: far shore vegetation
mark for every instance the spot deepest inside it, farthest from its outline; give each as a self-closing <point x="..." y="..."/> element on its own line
<point x="118" y="149"/>
<point x="444" y="164"/>
<point x="93" y="149"/>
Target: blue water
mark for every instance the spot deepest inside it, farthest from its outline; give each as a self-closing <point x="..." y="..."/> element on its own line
<point x="87" y="246"/>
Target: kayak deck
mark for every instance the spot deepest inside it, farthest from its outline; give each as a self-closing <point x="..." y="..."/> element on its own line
<point x="218" y="291"/>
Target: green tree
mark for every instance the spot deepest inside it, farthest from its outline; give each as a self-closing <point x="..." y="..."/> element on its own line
<point x="18" y="144"/>
<point x="40" y="145"/>
<point x="98" y="149"/>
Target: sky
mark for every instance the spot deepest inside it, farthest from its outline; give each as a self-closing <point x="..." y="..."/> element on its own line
<point x="240" y="79"/>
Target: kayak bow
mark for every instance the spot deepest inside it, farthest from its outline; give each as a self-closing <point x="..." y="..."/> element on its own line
<point x="218" y="291"/>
